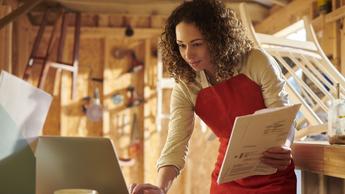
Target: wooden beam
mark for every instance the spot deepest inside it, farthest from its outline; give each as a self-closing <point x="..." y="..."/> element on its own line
<point x="256" y="12"/>
<point x="318" y="23"/>
<point x="342" y="50"/>
<point x="6" y="43"/>
<point x="336" y="14"/>
<point x="283" y="18"/>
<point x="280" y="2"/>
<point x="163" y="7"/>
<point x="30" y="4"/>
<point x="101" y="32"/>
<point x="21" y="45"/>
<point x="141" y="8"/>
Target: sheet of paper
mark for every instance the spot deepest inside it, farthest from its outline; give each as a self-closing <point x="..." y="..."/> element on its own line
<point x="251" y="136"/>
<point x="27" y="105"/>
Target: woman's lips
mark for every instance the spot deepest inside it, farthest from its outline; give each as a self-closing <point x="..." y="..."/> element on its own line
<point x="194" y="63"/>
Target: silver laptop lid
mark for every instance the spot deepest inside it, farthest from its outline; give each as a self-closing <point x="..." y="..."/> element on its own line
<point x="78" y="162"/>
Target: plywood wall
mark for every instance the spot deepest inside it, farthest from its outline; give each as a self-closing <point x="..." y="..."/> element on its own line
<point x="6" y="42"/>
<point x="202" y="159"/>
<point x="98" y="68"/>
<point x="342" y="50"/>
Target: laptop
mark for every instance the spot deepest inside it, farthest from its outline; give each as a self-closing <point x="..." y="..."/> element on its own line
<point x="78" y="162"/>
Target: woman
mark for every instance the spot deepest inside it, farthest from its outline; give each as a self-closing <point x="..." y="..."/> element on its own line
<point x="219" y="76"/>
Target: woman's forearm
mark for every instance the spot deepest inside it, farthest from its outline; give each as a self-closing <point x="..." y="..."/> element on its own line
<point x="166" y="176"/>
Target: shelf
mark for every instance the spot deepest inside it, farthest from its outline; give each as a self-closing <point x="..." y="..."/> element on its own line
<point x="320" y="157"/>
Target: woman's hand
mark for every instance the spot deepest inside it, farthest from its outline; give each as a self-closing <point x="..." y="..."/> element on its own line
<point x="145" y="189"/>
<point x="277" y="157"/>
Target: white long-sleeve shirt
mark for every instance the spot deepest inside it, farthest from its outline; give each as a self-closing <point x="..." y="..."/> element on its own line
<point x="256" y="65"/>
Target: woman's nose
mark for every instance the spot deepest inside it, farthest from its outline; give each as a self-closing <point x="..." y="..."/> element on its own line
<point x="189" y="53"/>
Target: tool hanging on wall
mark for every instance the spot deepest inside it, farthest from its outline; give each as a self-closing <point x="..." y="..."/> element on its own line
<point x="117" y="98"/>
<point x="134" y="146"/>
<point x="129" y="31"/>
<point x="126" y="96"/>
<point x="133" y="99"/>
<point x="135" y="64"/>
<point x="126" y="161"/>
<point x="93" y="107"/>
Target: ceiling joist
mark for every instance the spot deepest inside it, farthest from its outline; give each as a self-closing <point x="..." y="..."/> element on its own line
<point x="28" y="5"/>
<point x="280" y="2"/>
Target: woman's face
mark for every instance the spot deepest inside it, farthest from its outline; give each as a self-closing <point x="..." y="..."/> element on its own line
<point x="193" y="47"/>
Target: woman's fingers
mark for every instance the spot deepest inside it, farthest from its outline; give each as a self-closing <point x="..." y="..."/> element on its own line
<point x="140" y="188"/>
<point x="279" y="150"/>
<point x="277" y="157"/>
<point x="131" y="187"/>
<point x="279" y="164"/>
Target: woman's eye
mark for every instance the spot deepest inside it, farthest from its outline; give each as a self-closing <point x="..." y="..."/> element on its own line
<point x="181" y="46"/>
<point x="197" y="44"/>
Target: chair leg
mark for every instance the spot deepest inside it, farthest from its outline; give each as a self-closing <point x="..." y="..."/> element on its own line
<point x="74" y="83"/>
<point x="76" y="54"/>
<point x="33" y="55"/>
<point x="43" y="76"/>
<point x="57" y="82"/>
<point x="46" y="66"/>
<point x="76" y="37"/>
<point x="61" y="45"/>
<point x="62" y="38"/>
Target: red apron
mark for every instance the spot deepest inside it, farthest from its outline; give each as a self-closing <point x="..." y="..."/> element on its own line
<point x="218" y="106"/>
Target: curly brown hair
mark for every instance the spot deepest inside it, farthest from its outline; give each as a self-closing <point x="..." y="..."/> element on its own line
<point x="222" y="30"/>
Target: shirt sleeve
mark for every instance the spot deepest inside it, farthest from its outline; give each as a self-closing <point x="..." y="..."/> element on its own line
<point x="181" y="126"/>
<point x="265" y="71"/>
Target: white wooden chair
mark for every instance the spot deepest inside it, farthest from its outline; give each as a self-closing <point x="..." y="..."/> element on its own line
<point x="311" y="77"/>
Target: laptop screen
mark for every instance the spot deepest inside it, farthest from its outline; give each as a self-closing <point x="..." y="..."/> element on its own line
<point x="78" y="162"/>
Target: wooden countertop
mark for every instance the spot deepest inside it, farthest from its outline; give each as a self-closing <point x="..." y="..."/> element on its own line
<point x="320" y="157"/>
